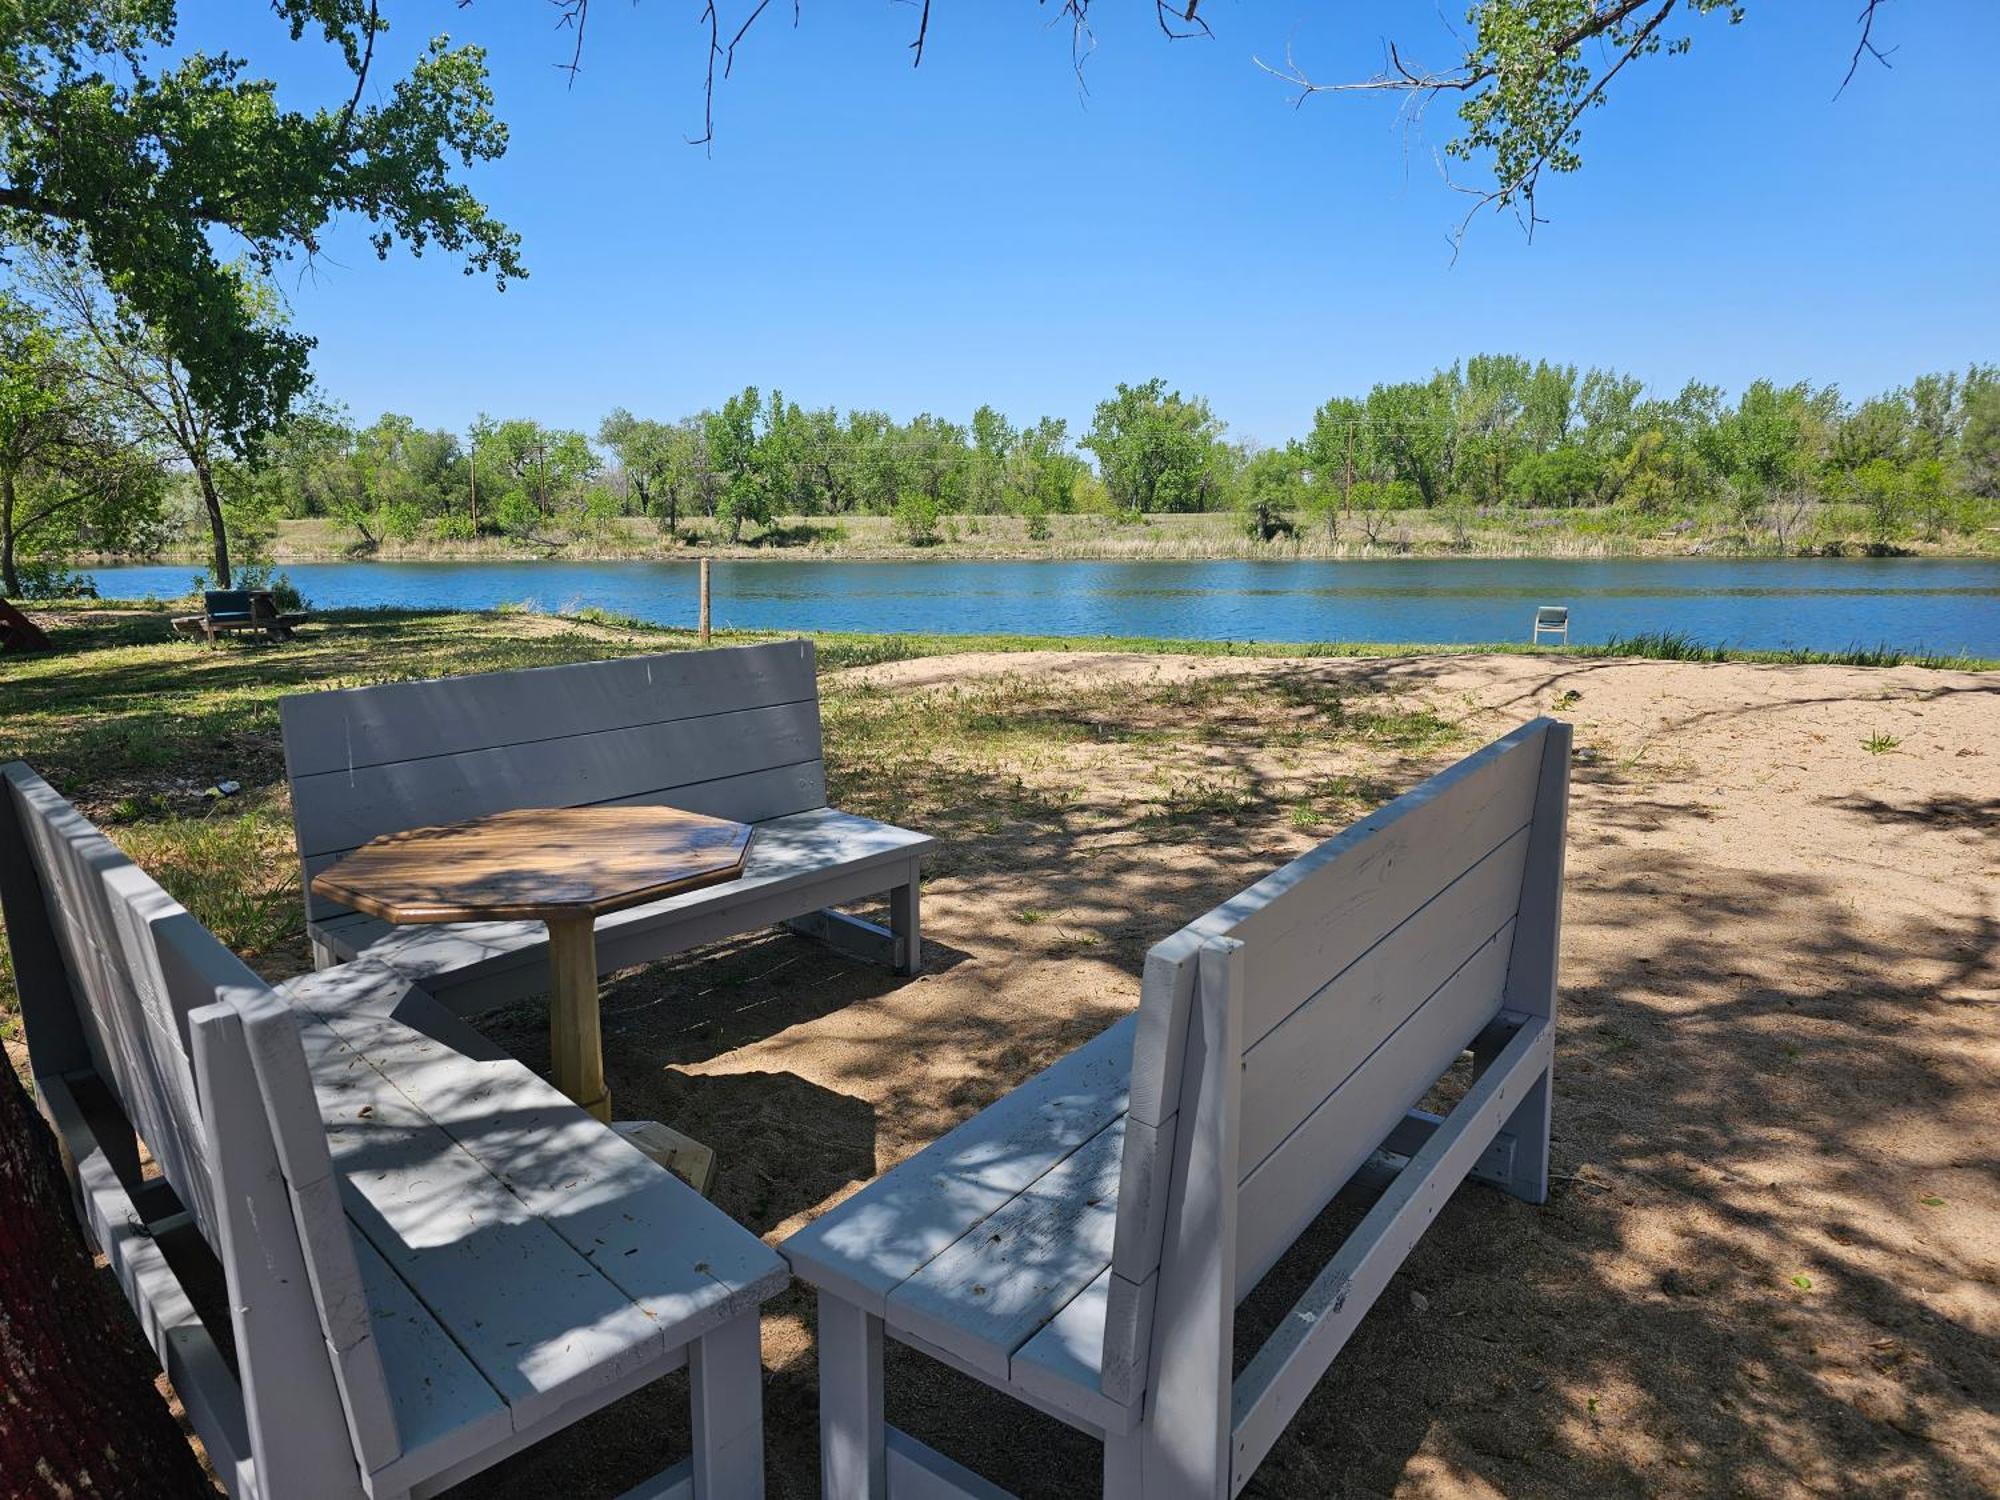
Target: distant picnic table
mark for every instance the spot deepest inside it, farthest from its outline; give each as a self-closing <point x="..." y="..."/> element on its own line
<point x="227" y="610"/>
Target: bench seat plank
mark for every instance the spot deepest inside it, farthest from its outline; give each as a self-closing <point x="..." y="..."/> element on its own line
<point x="1007" y="1276"/>
<point x="787" y="853"/>
<point x="1063" y="1362"/>
<point x="905" y="1219"/>
<point x="680" y="1259"/>
<point x="542" y="1325"/>
<point x="445" y="1409"/>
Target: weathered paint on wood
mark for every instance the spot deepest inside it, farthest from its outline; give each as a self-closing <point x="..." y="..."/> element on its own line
<point x="353" y="728"/>
<point x="992" y="1290"/>
<point x="378" y="1364"/>
<point x="537" y="863"/>
<point x="1280" y="1046"/>
<point x="731" y="734"/>
<point x="879" y="1239"/>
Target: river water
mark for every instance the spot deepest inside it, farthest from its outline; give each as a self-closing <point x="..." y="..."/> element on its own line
<point x="1911" y="604"/>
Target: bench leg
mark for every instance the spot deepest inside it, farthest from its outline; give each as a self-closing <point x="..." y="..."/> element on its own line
<point x="1528" y="1176"/>
<point x="1124" y="1473"/>
<point x="1529" y="1125"/>
<point x="726" y="1377"/>
<point x="906" y="922"/>
<point x="853" y="1443"/>
<point x="323" y="956"/>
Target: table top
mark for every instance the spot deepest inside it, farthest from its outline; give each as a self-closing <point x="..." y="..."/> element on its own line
<point x="536" y="863"/>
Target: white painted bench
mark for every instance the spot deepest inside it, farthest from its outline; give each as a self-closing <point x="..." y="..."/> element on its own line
<point x="734" y="733"/>
<point x="1082" y="1245"/>
<point x="431" y="1258"/>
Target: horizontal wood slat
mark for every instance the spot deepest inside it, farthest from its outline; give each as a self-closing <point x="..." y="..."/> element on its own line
<point x="989" y="1293"/>
<point x="1309" y="1054"/>
<point x="1289" y="1187"/>
<point x="683" y="1261"/>
<point x="1305" y="923"/>
<point x="342" y="810"/>
<point x="540" y="1324"/>
<point x="353" y="728"/>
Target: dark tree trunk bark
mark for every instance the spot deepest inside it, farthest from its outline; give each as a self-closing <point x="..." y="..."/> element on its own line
<point x="217" y="529"/>
<point x="10" y="579"/>
<point x="79" y="1414"/>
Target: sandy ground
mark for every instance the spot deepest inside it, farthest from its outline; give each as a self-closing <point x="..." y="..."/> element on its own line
<point x="1769" y="1264"/>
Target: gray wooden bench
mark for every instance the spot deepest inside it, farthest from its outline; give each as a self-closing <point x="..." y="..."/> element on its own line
<point x="431" y="1258"/>
<point x="1082" y="1245"/>
<point x="734" y="733"/>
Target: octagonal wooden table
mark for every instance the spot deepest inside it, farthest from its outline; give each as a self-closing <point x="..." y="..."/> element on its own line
<point x="565" y="866"/>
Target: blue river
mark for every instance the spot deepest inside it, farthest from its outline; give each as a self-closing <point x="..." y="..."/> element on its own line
<point x="1910" y="604"/>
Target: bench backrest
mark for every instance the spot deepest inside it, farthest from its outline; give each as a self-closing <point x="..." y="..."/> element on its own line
<point x="119" y="981"/>
<point x="1284" y="1034"/>
<point x="734" y="733"/>
<point x="1552" y="614"/>
<point x="227" y="604"/>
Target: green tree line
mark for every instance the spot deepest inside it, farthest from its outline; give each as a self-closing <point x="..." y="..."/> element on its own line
<point x="1495" y="432"/>
<point x="104" y="448"/>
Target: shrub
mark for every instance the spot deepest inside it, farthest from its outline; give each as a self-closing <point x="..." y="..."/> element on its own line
<point x="51" y="580"/>
<point x="917" y="520"/>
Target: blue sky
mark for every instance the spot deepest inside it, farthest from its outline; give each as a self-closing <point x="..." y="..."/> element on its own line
<point x="980" y="229"/>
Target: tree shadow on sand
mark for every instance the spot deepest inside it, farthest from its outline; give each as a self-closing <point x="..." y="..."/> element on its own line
<point x="1748" y="1279"/>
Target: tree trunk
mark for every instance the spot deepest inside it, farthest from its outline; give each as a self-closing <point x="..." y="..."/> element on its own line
<point x="10" y="579"/>
<point x="217" y="529"/>
<point x="80" y="1415"/>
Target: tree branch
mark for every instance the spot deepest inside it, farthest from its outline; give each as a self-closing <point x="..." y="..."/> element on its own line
<point x="1865" y="47"/>
<point x="361" y="80"/>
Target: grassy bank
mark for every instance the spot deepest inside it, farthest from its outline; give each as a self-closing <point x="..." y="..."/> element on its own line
<point x="1608" y="531"/>
<point x="138" y="725"/>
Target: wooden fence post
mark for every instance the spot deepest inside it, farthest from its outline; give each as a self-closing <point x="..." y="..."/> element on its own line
<point x="704" y="601"/>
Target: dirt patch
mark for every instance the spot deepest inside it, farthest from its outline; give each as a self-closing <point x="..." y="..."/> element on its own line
<point x="1769" y="1265"/>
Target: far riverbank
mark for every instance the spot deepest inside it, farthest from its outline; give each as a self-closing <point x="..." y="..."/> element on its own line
<point x="1600" y="532"/>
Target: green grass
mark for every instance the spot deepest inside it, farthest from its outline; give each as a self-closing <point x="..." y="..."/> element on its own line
<point x="134" y="724"/>
<point x="1676" y="645"/>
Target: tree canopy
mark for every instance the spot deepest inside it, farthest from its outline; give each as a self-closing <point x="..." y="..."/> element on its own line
<point x="159" y="172"/>
<point x="1527" y="75"/>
